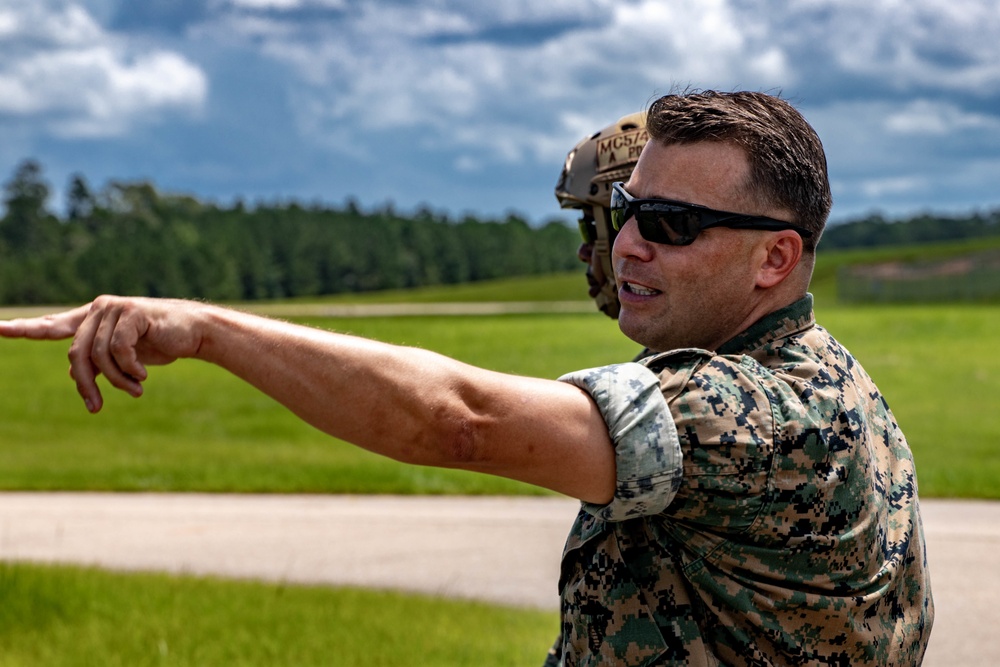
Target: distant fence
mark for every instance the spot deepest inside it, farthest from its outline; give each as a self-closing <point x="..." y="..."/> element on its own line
<point x="972" y="277"/>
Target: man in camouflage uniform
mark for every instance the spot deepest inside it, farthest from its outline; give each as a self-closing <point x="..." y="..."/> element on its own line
<point x="778" y="522"/>
<point x="747" y="498"/>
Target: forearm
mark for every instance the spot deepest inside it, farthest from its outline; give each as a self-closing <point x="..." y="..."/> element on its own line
<point x="405" y="403"/>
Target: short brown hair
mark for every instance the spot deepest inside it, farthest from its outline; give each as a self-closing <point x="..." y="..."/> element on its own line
<point x="787" y="162"/>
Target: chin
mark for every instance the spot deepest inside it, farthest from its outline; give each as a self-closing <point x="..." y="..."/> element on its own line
<point x="638" y="330"/>
<point x="631" y="328"/>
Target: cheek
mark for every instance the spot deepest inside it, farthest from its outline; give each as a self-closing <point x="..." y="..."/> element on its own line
<point x="709" y="280"/>
<point x="732" y="255"/>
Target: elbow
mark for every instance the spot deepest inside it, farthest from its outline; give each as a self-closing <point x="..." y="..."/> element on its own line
<point x="459" y="441"/>
<point x="455" y="441"/>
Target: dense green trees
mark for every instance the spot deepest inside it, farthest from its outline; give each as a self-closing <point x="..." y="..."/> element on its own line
<point x="875" y="230"/>
<point x="128" y="238"/>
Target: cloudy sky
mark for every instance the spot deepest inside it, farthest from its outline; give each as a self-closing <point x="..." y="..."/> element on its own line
<point x="471" y="106"/>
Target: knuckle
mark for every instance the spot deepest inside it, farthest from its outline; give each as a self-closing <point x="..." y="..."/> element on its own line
<point x="118" y="345"/>
<point x="98" y="352"/>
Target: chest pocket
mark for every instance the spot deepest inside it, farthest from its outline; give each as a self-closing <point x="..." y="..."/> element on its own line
<point x="605" y="619"/>
<point x="624" y="601"/>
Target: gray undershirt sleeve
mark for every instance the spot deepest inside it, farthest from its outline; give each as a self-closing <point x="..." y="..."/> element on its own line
<point x="647" y="449"/>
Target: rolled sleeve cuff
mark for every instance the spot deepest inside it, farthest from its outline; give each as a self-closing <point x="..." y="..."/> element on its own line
<point x="647" y="450"/>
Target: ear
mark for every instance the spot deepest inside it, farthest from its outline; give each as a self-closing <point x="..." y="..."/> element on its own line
<point x="783" y="250"/>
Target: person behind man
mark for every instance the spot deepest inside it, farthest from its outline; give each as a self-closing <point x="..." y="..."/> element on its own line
<point x="606" y="156"/>
<point x="747" y="497"/>
<point x="591" y="167"/>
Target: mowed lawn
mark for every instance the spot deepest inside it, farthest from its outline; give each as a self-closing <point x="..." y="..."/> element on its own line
<point x="197" y="429"/>
<point x="77" y="617"/>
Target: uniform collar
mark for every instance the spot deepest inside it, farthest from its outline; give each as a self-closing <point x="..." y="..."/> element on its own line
<point x="782" y="323"/>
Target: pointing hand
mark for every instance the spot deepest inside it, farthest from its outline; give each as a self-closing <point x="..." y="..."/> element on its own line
<point x="117" y="337"/>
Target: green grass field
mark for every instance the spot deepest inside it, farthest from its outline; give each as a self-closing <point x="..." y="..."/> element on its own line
<point x="74" y="617"/>
<point x="558" y="287"/>
<point x="197" y="429"/>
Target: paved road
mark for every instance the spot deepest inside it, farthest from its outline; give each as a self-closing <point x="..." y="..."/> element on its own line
<point x="496" y="549"/>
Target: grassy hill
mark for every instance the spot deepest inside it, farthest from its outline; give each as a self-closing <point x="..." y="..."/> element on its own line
<point x="824" y="283"/>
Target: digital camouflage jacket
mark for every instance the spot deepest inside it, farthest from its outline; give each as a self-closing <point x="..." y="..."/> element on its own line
<point x="766" y="513"/>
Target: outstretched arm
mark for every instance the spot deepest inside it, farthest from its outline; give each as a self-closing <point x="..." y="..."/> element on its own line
<point x="409" y="404"/>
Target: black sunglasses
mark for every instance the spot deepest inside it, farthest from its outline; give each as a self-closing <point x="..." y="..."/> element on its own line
<point x="676" y="223"/>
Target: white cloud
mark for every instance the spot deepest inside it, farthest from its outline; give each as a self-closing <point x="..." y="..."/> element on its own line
<point x="885" y="137"/>
<point x="267" y="4"/>
<point x="880" y="188"/>
<point x="941" y="44"/>
<point x="412" y="22"/>
<point x="898" y="90"/>
<point x="901" y="156"/>
<point x="25" y="22"/>
<point x="467" y="164"/>
<point x="61" y="66"/>
<point x="383" y="67"/>
<point x="930" y="117"/>
<point x="8" y="23"/>
<point x="287" y="4"/>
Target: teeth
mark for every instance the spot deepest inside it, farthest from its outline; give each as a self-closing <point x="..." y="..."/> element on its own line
<point x="640" y="290"/>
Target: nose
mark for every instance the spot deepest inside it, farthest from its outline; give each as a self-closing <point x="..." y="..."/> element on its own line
<point x="585" y="252"/>
<point x="629" y="243"/>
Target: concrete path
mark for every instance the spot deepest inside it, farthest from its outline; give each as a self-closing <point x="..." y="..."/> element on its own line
<point x="504" y="550"/>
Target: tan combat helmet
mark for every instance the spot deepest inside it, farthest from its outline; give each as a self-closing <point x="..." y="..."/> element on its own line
<point x="596" y="162"/>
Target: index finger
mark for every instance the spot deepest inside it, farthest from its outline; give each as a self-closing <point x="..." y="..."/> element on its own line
<point x="48" y="327"/>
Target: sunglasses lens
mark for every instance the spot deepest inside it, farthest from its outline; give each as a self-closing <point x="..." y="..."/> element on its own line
<point x="588" y="230"/>
<point x="677" y="226"/>
<point x="619" y="209"/>
<point x="659" y="221"/>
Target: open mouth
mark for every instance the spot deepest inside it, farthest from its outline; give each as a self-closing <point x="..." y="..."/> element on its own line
<point x="638" y="290"/>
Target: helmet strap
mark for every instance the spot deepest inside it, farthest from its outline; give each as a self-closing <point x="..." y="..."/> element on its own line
<point x="607" y="298"/>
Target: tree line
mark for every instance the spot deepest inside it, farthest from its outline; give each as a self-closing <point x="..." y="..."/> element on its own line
<point x="876" y="230"/>
<point x="128" y="238"/>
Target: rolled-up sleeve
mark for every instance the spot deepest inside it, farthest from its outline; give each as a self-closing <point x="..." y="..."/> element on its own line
<point x="647" y="449"/>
